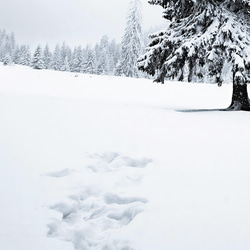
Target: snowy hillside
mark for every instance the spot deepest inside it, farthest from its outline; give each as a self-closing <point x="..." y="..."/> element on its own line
<point x="110" y="163"/>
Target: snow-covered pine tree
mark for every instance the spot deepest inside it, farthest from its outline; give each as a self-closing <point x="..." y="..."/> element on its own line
<point x="7" y="47"/>
<point x="76" y="64"/>
<point x="103" y="56"/>
<point x="57" y="60"/>
<point x="26" y="56"/>
<point x="3" y="35"/>
<point x="114" y="52"/>
<point x="65" y="64"/>
<point x="7" y="60"/>
<point x="204" y="37"/>
<point x="131" y="42"/>
<point x="12" y="42"/>
<point x="65" y="57"/>
<point x="47" y="57"/>
<point x="17" y="55"/>
<point x="22" y="55"/>
<point x="37" y="61"/>
<point x="90" y="60"/>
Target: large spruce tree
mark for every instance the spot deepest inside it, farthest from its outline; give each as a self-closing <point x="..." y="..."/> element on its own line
<point x="204" y="38"/>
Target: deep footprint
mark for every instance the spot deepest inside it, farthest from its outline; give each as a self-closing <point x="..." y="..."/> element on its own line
<point x="127" y="215"/>
<point x="113" y="198"/>
<point x="97" y="209"/>
<point x="130" y="162"/>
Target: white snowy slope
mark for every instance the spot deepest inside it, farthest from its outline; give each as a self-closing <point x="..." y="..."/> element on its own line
<point x="111" y="163"/>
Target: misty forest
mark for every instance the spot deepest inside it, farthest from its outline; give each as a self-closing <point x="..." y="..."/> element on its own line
<point x="105" y="58"/>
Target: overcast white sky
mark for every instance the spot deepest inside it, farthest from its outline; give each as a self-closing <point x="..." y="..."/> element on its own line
<point x="74" y="21"/>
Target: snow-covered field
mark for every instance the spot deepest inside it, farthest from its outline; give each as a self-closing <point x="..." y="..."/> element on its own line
<point x="111" y="163"/>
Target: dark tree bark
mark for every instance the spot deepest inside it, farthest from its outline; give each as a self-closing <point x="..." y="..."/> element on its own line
<point x="240" y="99"/>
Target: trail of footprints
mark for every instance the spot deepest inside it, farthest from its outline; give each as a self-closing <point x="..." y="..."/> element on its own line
<point x="91" y="215"/>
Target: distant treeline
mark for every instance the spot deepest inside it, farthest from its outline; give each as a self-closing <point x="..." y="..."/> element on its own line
<point x="101" y="59"/>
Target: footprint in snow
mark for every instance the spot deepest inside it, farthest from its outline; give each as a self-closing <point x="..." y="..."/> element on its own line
<point x="107" y="157"/>
<point x="124" y="216"/>
<point x="92" y="213"/>
<point x="110" y="161"/>
<point x="59" y="174"/>
<point x="115" y="199"/>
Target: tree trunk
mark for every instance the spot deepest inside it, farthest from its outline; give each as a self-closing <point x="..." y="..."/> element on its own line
<point x="240" y="99"/>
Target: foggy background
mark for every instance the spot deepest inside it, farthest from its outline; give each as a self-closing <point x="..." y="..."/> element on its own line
<point x="73" y="21"/>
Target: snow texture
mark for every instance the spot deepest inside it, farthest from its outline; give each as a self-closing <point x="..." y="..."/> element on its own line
<point x="111" y="163"/>
<point x="92" y="214"/>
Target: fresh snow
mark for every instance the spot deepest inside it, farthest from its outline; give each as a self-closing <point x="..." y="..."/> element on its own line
<point x="99" y="162"/>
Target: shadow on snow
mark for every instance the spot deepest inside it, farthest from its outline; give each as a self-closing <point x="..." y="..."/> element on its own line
<point x="200" y="110"/>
